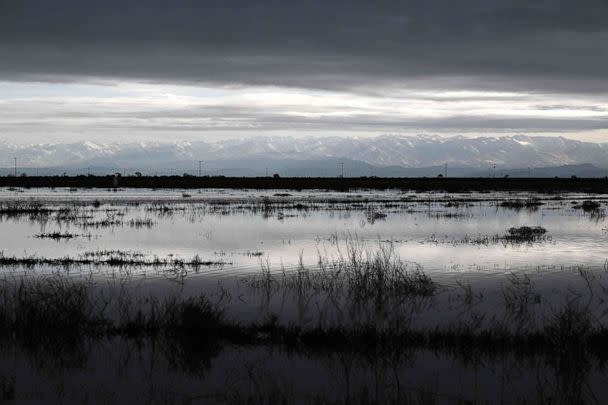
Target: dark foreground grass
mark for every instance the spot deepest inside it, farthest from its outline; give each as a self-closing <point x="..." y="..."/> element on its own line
<point x="54" y="310"/>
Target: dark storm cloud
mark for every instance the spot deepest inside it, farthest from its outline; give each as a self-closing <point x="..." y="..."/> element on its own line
<point x="545" y="45"/>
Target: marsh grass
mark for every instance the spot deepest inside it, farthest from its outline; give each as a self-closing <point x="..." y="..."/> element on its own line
<point x="178" y="318"/>
<point x="62" y="312"/>
<point x="525" y="234"/>
<point x="19" y="209"/>
<point x="518" y="204"/>
<point x="111" y="214"/>
<point x="58" y="235"/>
<point x="110" y="253"/>
<point x="56" y="310"/>
<point x="592" y="208"/>
<point x="141" y="223"/>
<point x="588" y="205"/>
<point x="362" y="274"/>
<point x="571" y="328"/>
<point x="513" y="236"/>
<point x="40" y="308"/>
<point x="111" y="259"/>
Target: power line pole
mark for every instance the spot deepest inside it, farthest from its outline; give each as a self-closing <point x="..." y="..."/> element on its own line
<point x="494" y="170"/>
<point x="200" y="168"/>
<point x="341" y="164"/>
<point x="445" y="170"/>
<point x="15" y="166"/>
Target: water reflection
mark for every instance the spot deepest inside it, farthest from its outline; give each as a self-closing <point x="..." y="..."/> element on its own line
<point x="282" y="260"/>
<point x="441" y="233"/>
<point x="148" y="371"/>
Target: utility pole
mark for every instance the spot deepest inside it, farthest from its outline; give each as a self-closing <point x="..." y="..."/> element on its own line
<point x="494" y="170"/>
<point x="266" y="172"/>
<point x="200" y="168"/>
<point x="445" y="170"/>
<point x="341" y="164"/>
<point x="15" y="166"/>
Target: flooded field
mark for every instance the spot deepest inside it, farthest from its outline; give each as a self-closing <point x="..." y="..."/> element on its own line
<point x="231" y="296"/>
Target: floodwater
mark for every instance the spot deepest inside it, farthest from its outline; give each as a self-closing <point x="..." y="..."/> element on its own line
<point x="442" y="233"/>
<point x="118" y="372"/>
<point x="456" y="239"/>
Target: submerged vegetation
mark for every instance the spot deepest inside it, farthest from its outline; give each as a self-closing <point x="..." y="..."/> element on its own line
<point x="13" y="209"/>
<point x="58" y="235"/>
<point x="513" y="236"/>
<point x="359" y="272"/>
<point x="380" y="292"/>
<point x="55" y="309"/>
<point x="530" y="203"/>
<point x="111" y="259"/>
<point x="355" y="305"/>
<point x="525" y="234"/>
<point x="588" y="206"/>
<point x="146" y="213"/>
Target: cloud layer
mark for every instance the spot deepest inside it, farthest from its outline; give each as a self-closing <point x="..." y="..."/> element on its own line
<point x="549" y="45"/>
<point x="484" y="66"/>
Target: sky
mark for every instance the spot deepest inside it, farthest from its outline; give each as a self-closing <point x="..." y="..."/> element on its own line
<point x="122" y="71"/>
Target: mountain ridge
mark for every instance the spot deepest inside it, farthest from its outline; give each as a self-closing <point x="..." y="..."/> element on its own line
<point x="508" y="152"/>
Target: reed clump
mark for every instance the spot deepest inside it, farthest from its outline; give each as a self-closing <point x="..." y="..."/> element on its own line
<point x="517" y="204"/>
<point x="39" y="308"/>
<point x="588" y="206"/>
<point x="367" y="273"/>
<point x="525" y="234"/>
<point x="359" y="273"/>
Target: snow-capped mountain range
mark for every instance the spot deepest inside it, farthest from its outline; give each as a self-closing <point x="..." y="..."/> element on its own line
<point x="406" y="151"/>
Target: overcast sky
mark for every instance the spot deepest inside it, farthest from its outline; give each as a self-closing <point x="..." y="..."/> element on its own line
<point x="125" y="70"/>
